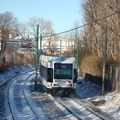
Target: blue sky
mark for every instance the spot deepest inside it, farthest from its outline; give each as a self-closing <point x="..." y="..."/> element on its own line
<point x="62" y="13"/>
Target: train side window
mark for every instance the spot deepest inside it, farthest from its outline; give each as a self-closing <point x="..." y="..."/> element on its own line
<point x="50" y="75"/>
<point x="75" y="76"/>
<point x="41" y="70"/>
<point x="44" y="71"/>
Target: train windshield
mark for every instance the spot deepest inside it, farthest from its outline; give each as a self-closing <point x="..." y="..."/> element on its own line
<point x="62" y="71"/>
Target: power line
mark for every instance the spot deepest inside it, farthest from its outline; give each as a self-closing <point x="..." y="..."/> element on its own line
<point x="83" y="25"/>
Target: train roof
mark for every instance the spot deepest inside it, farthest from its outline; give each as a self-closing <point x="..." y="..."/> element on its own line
<point x="56" y="59"/>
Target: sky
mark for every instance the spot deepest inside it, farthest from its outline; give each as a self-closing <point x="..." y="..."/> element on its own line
<point x="62" y="13"/>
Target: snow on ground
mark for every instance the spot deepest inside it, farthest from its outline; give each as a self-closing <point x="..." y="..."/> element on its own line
<point x="112" y="105"/>
<point x="10" y="72"/>
<point x="85" y="89"/>
<point x="108" y="103"/>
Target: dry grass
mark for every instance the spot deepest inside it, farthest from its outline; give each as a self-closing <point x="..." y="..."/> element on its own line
<point x="21" y="58"/>
<point x="94" y="65"/>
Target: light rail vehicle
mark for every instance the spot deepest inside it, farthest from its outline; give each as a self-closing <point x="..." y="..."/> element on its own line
<point x="58" y="74"/>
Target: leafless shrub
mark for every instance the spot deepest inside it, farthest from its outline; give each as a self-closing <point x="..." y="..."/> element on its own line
<point x="94" y="32"/>
<point x="25" y="58"/>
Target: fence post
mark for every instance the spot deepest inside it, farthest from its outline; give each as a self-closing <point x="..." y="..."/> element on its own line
<point x="111" y="71"/>
<point x="117" y="80"/>
<point x="14" y="56"/>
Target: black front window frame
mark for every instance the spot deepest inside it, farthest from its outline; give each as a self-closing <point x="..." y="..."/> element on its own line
<point x="63" y="71"/>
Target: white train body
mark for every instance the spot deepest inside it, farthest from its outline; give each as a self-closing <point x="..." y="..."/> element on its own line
<point x="58" y="73"/>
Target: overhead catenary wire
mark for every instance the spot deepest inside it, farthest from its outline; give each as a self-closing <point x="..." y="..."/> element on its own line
<point x="83" y="25"/>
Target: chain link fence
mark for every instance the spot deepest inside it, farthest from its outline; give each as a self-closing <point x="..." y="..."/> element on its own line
<point x="112" y="83"/>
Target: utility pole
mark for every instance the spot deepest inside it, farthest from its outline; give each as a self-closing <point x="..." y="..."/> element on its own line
<point x="77" y="57"/>
<point x="104" y="60"/>
<point x="60" y="46"/>
<point x="33" y="52"/>
<point x="74" y="49"/>
<point x="14" y="56"/>
<point x="36" y="68"/>
<point x="40" y="44"/>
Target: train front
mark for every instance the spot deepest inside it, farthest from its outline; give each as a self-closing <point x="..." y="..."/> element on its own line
<point x="64" y="77"/>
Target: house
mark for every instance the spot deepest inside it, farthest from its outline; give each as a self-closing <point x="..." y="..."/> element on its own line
<point x="56" y="44"/>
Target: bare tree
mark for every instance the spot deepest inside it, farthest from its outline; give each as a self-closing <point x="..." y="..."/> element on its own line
<point x="7" y="22"/>
<point x="23" y="30"/>
<point x="93" y="33"/>
<point x="45" y="26"/>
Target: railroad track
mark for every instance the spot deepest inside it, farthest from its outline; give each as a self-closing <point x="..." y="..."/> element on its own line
<point x="18" y="102"/>
<point x="81" y="110"/>
<point x="92" y="108"/>
<point x="25" y="104"/>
